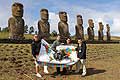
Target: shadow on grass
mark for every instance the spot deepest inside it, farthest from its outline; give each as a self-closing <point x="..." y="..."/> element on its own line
<point x="90" y="71"/>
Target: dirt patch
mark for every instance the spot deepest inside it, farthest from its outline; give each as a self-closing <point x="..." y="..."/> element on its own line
<point x="16" y="63"/>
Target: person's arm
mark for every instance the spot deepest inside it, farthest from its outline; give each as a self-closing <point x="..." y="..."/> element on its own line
<point x="39" y="46"/>
<point x="53" y="46"/>
<point x="76" y="50"/>
<point x="33" y="49"/>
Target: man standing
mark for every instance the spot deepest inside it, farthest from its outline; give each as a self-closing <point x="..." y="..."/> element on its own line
<point x="36" y="44"/>
<point x="56" y="43"/>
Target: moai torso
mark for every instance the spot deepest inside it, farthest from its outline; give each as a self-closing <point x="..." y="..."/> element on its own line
<point x="108" y="32"/>
<point x="63" y="25"/>
<point x="79" y="28"/>
<point x="90" y="30"/>
<point x="16" y="23"/>
<point x="43" y="24"/>
<point x="100" y="31"/>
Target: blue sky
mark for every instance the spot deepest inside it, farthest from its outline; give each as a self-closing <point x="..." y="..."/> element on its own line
<point x="107" y="11"/>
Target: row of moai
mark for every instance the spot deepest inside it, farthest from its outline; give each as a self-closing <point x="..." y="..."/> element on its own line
<point x="16" y="25"/>
<point x="90" y="31"/>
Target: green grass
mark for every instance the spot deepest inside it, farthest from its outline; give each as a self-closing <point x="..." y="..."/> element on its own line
<point x="5" y="35"/>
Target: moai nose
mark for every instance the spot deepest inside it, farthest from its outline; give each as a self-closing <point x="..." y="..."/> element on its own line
<point x="18" y="8"/>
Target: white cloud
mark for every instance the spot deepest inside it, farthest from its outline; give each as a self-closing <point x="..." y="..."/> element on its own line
<point x="116" y="25"/>
<point x="53" y="19"/>
<point x="5" y="13"/>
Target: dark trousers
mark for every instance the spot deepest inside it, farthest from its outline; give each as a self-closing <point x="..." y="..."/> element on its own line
<point x="64" y="70"/>
<point x="58" y="69"/>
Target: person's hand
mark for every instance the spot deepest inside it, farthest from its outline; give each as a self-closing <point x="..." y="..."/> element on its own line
<point x="36" y="57"/>
<point x="62" y="43"/>
<point x="77" y="52"/>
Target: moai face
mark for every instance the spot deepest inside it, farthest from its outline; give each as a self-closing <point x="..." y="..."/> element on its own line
<point x="44" y="14"/>
<point x="79" y="20"/>
<point x="101" y="26"/>
<point x="63" y="16"/>
<point x="17" y="10"/>
<point x="90" y="22"/>
<point x="108" y="27"/>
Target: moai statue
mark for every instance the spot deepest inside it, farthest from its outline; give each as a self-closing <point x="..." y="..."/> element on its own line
<point x="100" y="31"/>
<point x="90" y="30"/>
<point x="63" y="25"/>
<point x="16" y="23"/>
<point x="43" y="24"/>
<point x="79" y="28"/>
<point x="108" y="32"/>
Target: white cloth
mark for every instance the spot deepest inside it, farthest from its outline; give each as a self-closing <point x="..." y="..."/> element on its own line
<point x="42" y="50"/>
<point x="73" y="54"/>
<point x="46" y="57"/>
<point x="64" y="47"/>
<point x="43" y="56"/>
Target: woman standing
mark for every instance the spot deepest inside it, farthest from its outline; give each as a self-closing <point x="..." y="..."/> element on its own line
<point x="81" y="54"/>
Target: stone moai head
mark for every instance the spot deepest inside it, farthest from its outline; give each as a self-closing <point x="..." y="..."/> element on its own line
<point x="63" y="16"/>
<point x="17" y="10"/>
<point x="108" y="27"/>
<point x="101" y="26"/>
<point x="44" y="14"/>
<point x="79" y="20"/>
<point x="90" y="22"/>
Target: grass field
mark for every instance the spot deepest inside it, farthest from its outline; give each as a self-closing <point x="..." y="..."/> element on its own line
<point x="16" y="63"/>
<point x="5" y="35"/>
